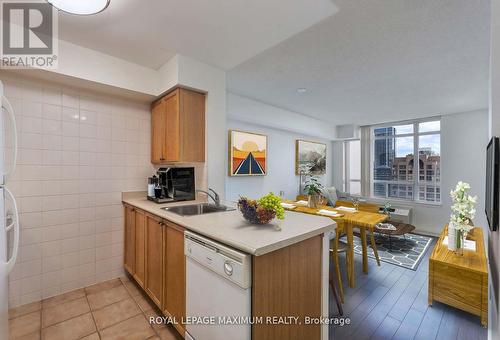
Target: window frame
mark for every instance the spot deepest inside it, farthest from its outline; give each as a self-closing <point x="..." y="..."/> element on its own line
<point x="346" y="151"/>
<point x="416" y="169"/>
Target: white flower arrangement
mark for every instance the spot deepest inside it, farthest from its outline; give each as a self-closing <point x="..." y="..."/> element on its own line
<point x="463" y="209"/>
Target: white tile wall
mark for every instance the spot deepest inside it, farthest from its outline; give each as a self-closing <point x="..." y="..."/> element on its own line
<point x="78" y="152"/>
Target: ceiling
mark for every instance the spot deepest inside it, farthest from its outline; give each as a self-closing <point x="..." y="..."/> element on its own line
<point x="218" y="32"/>
<point x="377" y="61"/>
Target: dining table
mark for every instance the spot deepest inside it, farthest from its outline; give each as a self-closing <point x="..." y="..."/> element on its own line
<point x="347" y="220"/>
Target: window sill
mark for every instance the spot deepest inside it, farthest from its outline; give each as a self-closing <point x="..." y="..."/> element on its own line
<point x="403" y="202"/>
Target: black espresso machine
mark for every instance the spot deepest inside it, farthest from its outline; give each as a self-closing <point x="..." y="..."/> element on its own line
<point x="174" y="184"/>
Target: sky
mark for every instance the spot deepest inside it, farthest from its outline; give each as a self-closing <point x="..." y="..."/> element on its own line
<point x="404" y="145"/>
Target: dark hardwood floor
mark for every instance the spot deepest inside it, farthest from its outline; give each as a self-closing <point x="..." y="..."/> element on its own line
<point x="390" y="302"/>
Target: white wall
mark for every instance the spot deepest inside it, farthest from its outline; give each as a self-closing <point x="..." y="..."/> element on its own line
<point x="494" y="130"/>
<point x="281" y="151"/>
<point x="193" y="73"/>
<point x="254" y="112"/>
<point x="68" y="182"/>
<point x="463" y="158"/>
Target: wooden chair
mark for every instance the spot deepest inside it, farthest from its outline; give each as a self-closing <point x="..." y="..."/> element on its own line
<point x="337" y="247"/>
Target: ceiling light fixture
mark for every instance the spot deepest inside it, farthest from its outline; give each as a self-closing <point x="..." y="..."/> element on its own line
<point x="302" y="90"/>
<point x="80" y="7"/>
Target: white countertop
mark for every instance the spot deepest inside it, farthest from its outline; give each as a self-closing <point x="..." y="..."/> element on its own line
<point x="232" y="229"/>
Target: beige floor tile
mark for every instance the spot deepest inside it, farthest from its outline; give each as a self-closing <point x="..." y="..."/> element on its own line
<point x="56" y="300"/>
<point x="165" y="332"/>
<point x="31" y="336"/>
<point x="144" y="302"/>
<point x="24" y="325"/>
<point x="64" y="311"/>
<point x="24" y="309"/>
<point x="132" y="288"/>
<point x="107" y="297"/>
<point x="103" y="286"/>
<point x="71" y="329"/>
<point x="94" y="336"/>
<point x="115" y="313"/>
<point x="125" y="278"/>
<point x="168" y="332"/>
<point x="134" y="328"/>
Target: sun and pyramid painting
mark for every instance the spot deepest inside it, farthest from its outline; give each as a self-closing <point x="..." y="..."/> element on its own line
<point x="248" y="153"/>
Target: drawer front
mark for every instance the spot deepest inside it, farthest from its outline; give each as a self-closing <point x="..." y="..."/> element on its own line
<point x="457" y="287"/>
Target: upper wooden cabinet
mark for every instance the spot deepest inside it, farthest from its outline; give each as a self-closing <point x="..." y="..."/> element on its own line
<point x="178" y="127"/>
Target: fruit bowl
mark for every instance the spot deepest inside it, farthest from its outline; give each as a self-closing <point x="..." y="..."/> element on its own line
<point x="261" y="211"/>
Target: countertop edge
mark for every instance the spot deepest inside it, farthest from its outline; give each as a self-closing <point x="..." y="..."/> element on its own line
<point x="240" y="245"/>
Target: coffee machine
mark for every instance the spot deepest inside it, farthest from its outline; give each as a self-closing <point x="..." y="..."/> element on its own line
<point x="174" y="184"/>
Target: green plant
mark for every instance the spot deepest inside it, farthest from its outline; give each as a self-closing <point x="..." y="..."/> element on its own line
<point x="313" y="186"/>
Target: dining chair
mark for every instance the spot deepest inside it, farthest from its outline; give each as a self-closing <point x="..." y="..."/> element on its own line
<point x="336" y="247"/>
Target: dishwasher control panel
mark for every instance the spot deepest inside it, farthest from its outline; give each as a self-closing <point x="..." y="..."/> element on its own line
<point x="223" y="260"/>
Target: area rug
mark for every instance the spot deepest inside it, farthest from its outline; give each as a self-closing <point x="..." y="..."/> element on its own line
<point x="405" y="253"/>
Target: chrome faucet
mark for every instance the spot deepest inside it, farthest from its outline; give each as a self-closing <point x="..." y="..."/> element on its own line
<point x="215" y="197"/>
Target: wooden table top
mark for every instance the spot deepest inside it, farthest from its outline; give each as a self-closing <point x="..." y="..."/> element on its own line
<point x="470" y="260"/>
<point x="358" y="218"/>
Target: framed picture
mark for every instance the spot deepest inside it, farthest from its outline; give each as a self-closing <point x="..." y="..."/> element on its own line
<point x="310" y="157"/>
<point x="247" y="153"/>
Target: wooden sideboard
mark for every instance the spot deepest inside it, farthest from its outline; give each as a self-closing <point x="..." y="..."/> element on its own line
<point x="458" y="280"/>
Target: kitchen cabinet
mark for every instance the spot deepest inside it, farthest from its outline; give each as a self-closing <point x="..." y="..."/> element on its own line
<point x="174" y="293"/>
<point x="178" y="127"/>
<point x="154" y="258"/>
<point x="129" y="255"/>
<point x="140" y="247"/>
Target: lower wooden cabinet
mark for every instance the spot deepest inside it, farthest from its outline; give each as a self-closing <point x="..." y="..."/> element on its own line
<point x="154" y="258"/>
<point x="129" y="239"/>
<point x="140" y="247"/>
<point x="174" y="293"/>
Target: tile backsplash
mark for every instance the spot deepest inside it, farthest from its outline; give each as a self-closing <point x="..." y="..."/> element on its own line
<point x="78" y="151"/>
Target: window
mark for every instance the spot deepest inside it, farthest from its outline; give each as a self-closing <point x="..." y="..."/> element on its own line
<point x="395" y="172"/>
<point x="352" y="164"/>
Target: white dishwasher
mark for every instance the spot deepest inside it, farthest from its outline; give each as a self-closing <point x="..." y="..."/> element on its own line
<point x="218" y="290"/>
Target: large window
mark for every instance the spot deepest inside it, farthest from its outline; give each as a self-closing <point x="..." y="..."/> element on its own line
<point x="352" y="164"/>
<point x="396" y="173"/>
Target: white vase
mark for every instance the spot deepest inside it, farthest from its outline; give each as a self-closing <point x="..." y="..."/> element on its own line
<point x="452" y="237"/>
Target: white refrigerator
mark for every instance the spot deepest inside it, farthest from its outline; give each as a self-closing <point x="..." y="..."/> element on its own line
<point x="9" y="218"/>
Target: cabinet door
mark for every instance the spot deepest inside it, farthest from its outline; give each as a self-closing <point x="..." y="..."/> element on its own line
<point x="140" y="247"/>
<point x="154" y="258"/>
<point x="174" y="295"/>
<point x="172" y="132"/>
<point x="129" y="256"/>
<point x="192" y="116"/>
<point x="158" y="131"/>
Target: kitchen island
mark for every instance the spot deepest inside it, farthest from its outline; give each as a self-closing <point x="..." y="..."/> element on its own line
<point x="289" y="272"/>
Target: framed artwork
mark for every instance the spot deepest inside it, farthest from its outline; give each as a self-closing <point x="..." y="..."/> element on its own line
<point x="310" y="157"/>
<point x="247" y="153"/>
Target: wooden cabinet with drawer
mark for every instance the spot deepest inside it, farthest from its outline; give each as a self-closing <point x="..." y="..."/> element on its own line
<point x="178" y="127"/>
<point x="174" y="293"/>
<point x="154" y="258"/>
<point x="129" y="239"/>
<point x="458" y="280"/>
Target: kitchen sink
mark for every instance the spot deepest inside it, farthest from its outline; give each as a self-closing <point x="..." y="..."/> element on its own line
<point x="197" y="209"/>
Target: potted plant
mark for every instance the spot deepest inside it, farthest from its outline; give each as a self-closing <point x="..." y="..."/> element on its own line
<point x="462" y="213"/>
<point x="313" y="189"/>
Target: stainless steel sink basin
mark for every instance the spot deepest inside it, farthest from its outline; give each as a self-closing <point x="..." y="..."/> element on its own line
<point x="197" y="209"/>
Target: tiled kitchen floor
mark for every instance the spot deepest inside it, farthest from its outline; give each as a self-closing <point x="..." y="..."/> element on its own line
<point x="115" y="309"/>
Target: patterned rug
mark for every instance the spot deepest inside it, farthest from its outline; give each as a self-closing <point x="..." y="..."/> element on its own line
<point x="405" y="253"/>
